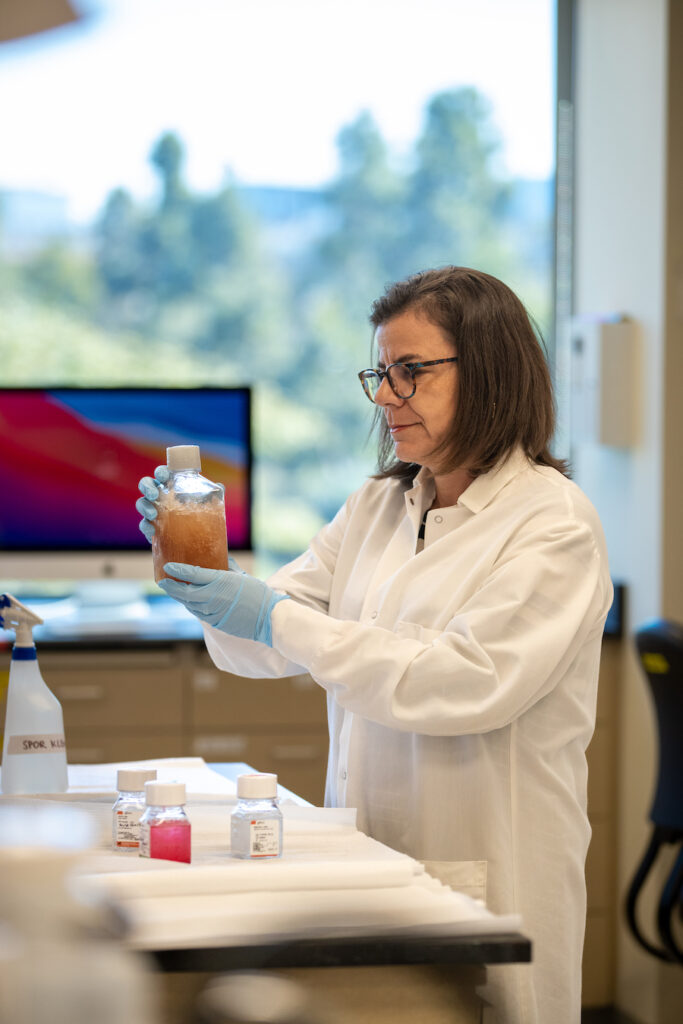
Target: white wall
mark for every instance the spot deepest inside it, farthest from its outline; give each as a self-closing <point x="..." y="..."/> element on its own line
<point x="619" y="256"/>
<point x="622" y="254"/>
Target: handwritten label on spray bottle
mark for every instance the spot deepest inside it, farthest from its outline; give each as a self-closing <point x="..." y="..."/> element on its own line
<point x="45" y="744"/>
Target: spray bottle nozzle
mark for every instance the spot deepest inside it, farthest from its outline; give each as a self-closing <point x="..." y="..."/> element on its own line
<point x="15" y="615"/>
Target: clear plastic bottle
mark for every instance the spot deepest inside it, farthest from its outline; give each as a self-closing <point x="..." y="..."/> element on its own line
<point x="61" y="954"/>
<point x="190" y="524"/>
<point x="129" y="807"/>
<point x="34" y="749"/>
<point x="165" y="830"/>
<point x="256" y="822"/>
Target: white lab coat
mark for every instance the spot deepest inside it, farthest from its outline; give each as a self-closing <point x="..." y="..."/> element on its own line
<point x="461" y="686"/>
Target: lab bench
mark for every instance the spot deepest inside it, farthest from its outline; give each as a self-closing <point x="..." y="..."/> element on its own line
<point x="347" y="970"/>
<point x="376" y="979"/>
<point x="151" y="690"/>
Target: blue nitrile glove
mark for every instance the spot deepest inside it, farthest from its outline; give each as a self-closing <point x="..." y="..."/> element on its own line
<point x="229" y="599"/>
<point x="146" y="505"/>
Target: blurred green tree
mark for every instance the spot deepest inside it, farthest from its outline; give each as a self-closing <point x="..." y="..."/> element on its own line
<point x="150" y="259"/>
<point x="167" y="156"/>
<point x="63" y="275"/>
<point x="456" y="199"/>
<point x="186" y="289"/>
<point x="118" y="261"/>
<point x="367" y="205"/>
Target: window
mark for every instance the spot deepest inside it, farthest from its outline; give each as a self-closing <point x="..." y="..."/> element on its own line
<point x="215" y="193"/>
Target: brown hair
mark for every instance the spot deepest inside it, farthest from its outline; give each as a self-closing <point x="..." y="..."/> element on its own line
<point x="505" y="395"/>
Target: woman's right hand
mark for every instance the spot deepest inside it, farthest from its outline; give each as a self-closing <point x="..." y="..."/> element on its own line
<point x="146" y="506"/>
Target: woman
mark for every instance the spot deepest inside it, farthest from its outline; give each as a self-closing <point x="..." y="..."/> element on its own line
<point x="453" y="611"/>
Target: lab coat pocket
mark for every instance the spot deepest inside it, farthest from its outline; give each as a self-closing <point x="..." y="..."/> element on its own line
<point x="468" y="876"/>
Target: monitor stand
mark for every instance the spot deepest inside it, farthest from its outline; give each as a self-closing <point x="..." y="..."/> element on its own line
<point x="110" y="600"/>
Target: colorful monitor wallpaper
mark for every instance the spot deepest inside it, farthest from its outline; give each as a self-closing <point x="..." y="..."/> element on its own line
<point x="71" y="458"/>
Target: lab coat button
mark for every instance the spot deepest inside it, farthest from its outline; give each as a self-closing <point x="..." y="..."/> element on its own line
<point x="374" y="615"/>
<point x="344" y="774"/>
<point x="438" y="519"/>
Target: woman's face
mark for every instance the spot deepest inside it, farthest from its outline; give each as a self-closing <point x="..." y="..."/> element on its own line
<point x="419" y="424"/>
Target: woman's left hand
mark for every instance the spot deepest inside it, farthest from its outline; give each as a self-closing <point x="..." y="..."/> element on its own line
<point x="146" y="506"/>
<point x="232" y="601"/>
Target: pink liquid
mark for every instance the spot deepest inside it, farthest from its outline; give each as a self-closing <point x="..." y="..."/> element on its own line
<point x="171" y="840"/>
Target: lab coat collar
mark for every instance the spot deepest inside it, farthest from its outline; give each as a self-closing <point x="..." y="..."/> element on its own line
<point x="484" y="488"/>
<point x="481" y="491"/>
<point x="420" y="496"/>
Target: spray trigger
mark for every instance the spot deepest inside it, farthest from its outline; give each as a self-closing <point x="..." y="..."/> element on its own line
<point x="15" y="615"/>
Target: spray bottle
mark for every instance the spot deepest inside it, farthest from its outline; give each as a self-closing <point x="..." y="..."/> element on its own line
<point x="34" y="751"/>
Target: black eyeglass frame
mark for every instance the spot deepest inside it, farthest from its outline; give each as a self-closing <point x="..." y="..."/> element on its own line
<point x="410" y="367"/>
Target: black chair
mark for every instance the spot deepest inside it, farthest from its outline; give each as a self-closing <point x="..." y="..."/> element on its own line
<point x="660" y="647"/>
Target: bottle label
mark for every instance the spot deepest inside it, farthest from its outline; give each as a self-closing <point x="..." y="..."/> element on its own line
<point x="47" y="743"/>
<point x="143" y="849"/>
<point x="264" y="837"/>
<point x="127" y="829"/>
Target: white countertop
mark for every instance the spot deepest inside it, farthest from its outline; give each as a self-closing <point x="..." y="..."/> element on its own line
<point x="331" y="880"/>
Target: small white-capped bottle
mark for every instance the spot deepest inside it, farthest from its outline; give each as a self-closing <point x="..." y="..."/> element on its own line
<point x="165" y="830"/>
<point x="129" y="807"/>
<point x="256" y="822"/>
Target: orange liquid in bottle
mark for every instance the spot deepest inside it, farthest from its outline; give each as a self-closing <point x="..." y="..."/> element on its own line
<point x="191" y="533"/>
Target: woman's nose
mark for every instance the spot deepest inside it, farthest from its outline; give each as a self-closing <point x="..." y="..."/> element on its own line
<point x="385" y="395"/>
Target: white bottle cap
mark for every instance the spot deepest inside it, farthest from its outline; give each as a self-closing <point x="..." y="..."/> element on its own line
<point x="183" y="456"/>
<point x="133" y="780"/>
<point x="164" y="794"/>
<point x="259" y="786"/>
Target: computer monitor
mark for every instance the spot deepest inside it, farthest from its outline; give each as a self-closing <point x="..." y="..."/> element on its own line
<point x="70" y="461"/>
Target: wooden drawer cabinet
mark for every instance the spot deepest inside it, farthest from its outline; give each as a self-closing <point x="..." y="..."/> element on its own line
<point x="277" y="725"/>
<point x="598" y="959"/>
<point x="603" y="906"/>
<point x="117" y="691"/>
<point x="85" y="747"/>
<point x="221" y="698"/>
<point x="129" y="704"/>
<point x="298" y="758"/>
<point x="602" y="772"/>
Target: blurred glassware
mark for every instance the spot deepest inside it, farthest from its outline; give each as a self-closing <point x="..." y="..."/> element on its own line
<point x="60" y="955"/>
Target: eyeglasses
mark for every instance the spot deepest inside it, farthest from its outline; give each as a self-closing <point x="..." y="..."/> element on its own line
<point x="401" y="377"/>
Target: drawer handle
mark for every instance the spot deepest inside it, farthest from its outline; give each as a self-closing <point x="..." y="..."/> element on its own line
<point x="77" y="692"/>
<point x="231" y="746"/>
<point x="205" y="681"/>
<point x="85" y="755"/>
<point x="296" y="752"/>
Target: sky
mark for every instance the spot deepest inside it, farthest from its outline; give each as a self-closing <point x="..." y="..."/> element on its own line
<point x="259" y="89"/>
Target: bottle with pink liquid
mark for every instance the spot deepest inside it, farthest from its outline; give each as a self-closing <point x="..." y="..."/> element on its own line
<point x="165" y="830"/>
<point x="190" y="524"/>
